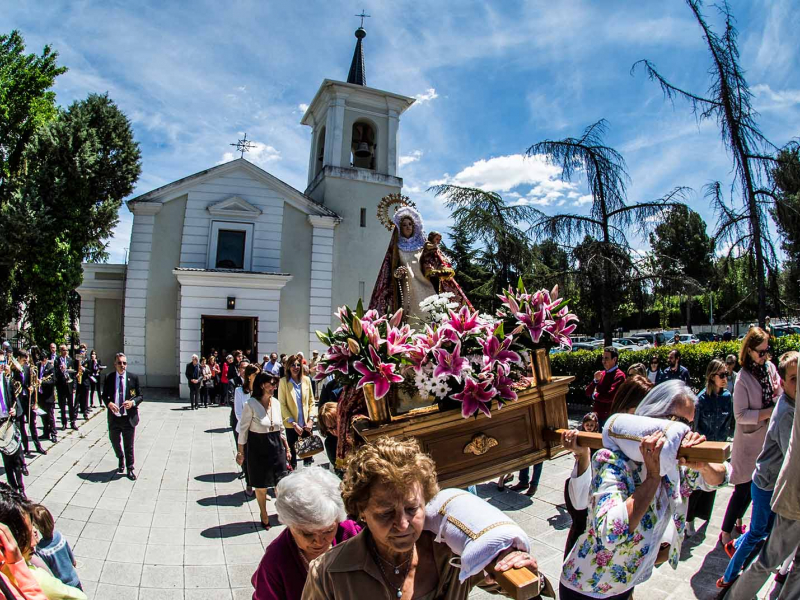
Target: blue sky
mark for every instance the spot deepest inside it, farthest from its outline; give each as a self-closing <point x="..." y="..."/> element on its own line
<point x="491" y="79"/>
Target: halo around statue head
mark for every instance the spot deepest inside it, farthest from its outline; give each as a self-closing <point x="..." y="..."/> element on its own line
<point x="386" y="203"/>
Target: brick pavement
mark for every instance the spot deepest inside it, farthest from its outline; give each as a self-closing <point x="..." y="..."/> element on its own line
<point x="185" y="530"/>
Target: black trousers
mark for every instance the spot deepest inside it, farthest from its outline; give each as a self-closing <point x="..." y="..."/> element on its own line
<point x="82" y="397"/>
<point x="564" y="593"/>
<point x="292" y="437"/>
<point x="194" y="395"/>
<point x="66" y="403"/>
<point x="49" y="418"/>
<point x="204" y="395"/>
<point x="737" y="506"/>
<point x="120" y="427"/>
<point x="23" y="418"/>
<point x="13" y="467"/>
<point x="94" y="387"/>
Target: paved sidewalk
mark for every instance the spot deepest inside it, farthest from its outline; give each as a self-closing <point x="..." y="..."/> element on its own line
<point x="185" y="530"/>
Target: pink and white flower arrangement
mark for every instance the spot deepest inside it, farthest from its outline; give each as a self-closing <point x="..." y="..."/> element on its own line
<point x="459" y="357"/>
<point x="542" y="317"/>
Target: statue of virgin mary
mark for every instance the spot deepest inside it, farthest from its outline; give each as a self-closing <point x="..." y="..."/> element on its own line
<point x="413" y="269"/>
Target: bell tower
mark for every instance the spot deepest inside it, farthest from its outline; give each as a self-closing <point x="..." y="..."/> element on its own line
<point x="352" y="165"/>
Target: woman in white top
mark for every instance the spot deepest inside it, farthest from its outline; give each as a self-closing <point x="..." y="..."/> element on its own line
<point x="241" y="393"/>
<point x="205" y="371"/>
<point x="261" y="431"/>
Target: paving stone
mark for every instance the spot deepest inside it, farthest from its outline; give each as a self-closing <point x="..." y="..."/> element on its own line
<point x="166" y="554"/>
<point x="162" y="576"/>
<point x="205" y="577"/>
<point x="120" y="573"/>
<point x="107" y="591"/>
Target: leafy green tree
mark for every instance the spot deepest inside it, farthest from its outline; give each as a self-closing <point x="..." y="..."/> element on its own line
<point x="26" y="103"/>
<point x="729" y="103"/>
<point x="786" y="213"/>
<point x="64" y="174"/>
<point x="469" y="273"/>
<point x="602" y="234"/>
<point x="683" y="254"/>
<point x="505" y="251"/>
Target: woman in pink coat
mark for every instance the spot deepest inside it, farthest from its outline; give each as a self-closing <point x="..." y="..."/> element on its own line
<point x="757" y="389"/>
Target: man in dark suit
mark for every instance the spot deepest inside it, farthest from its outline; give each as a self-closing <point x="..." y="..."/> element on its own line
<point x="10" y="408"/>
<point x="195" y="377"/>
<point x="122" y="395"/>
<point x="28" y="414"/>
<point x="63" y="375"/>
<point x="45" y="397"/>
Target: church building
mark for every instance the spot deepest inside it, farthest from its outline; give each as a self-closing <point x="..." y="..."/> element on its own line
<point x="234" y="258"/>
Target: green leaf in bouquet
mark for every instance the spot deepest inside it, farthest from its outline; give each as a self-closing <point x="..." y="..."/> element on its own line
<point x="360" y="309"/>
<point x="499" y="331"/>
<point x="520" y="286"/>
<point x="325" y="339"/>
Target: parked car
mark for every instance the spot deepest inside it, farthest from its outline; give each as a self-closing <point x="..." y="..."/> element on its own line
<point x="708" y="336"/>
<point x="584" y="346"/>
<point x="688" y="338"/>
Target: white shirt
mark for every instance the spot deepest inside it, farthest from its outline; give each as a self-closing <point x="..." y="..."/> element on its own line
<point x="258" y="420"/>
<point x="124" y="392"/>
<point x="239" y="398"/>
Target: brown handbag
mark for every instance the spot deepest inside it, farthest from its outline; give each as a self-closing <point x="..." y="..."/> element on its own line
<point x="308" y="446"/>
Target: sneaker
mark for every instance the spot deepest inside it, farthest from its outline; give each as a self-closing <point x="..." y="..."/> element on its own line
<point x="690" y="530"/>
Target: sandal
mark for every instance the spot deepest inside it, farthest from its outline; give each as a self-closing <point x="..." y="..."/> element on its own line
<point x="722" y="584"/>
<point x="730" y="548"/>
<point x="265" y="526"/>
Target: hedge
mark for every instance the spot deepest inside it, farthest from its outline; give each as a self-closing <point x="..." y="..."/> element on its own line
<point x="695" y="357"/>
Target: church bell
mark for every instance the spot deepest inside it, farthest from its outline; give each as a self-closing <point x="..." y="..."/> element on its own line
<point x="363" y="151"/>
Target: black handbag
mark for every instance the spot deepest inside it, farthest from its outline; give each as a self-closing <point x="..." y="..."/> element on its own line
<point x="308" y="446"/>
<point x="208" y="383"/>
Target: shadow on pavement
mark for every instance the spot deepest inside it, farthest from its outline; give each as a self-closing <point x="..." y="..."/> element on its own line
<point x="219" y="430"/>
<point x="100" y="477"/>
<point x="232" y="530"/>
<point x="218" y="477"/>
<point x="703" y="582"/>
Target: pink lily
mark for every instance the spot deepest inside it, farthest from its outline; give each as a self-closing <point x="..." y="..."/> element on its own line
<point x="561" y="328"/>
<point x="450" y="364"/>
<point x="383" y="375"/>
<point x="504" y="388"/>
<point x="371" y="331"/>
<point x="430" y="339"/>
<point x="476" y="396"/>
<point x="396" y="319"/>
<point x="463" y="321"/>
<point x="396" y="340"/>
<point x="533" y="322"/>
<point x="496" y="352"/>
<point x="370" y="316"/>
<point x="337" y="357"/>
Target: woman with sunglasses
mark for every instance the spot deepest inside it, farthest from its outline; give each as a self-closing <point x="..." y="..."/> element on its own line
<point x="297" y="403"/>
<point x="714" y="419"/>
<point x="263" y="437"/>
<point x="757" y="389"/>
<point x="654" y="370"/>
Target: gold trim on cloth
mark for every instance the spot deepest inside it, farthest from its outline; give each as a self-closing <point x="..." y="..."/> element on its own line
<point x="462" y="527"/>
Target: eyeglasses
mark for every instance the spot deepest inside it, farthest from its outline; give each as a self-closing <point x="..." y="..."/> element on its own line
<point x="680" y="419"/>
<point x="722" y="375"/>
<point x="761" y="353"/>
<point x="296" y="366"/>
<point x="653" y="362"/>
<point x="122" y="362"/>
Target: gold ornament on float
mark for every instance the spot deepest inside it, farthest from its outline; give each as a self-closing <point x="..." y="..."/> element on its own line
<point x="388" y="201"/>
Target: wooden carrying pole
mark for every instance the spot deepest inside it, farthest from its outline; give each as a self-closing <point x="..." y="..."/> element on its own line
<point x="709" y="452"/>
<point x="520" y="584"/>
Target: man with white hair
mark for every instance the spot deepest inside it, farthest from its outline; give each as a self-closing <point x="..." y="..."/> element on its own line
<point x="195" y="376"/>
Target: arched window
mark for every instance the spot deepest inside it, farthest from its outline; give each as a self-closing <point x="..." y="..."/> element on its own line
<point x="363" y="146"/>
<point x="320" y="154"/>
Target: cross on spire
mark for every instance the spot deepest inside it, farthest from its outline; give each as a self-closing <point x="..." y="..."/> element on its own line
<point x="243" y="145"/>
<point x="363" y="16"/>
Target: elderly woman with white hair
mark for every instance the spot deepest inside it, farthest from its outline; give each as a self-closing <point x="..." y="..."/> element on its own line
<point x="309" y="503"/>
<point x="633" y="502"/>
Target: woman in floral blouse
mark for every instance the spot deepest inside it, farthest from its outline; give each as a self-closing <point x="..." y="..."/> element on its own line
<point x="629" y="510"/>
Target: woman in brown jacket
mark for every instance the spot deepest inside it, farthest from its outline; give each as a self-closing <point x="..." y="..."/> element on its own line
<point x="387" y="484"/>
<point x="755" y="393"/>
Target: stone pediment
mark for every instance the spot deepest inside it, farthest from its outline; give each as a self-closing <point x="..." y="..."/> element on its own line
<point x="234" y="207"/>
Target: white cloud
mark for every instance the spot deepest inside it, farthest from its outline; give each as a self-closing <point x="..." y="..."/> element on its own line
<point x="504" y="173"/>
<point x="583" y="200"/>
<point x="779" y="99"/>
<point x="430" y="94"/>
<point x="303" y="107"/>
<point x="260" y="154"/>
<point x="410" y="158"/>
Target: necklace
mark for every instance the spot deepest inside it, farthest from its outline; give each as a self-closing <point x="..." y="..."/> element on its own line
<point x="381" y="560"/>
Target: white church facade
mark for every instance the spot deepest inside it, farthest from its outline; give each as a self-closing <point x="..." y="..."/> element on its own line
<point x="234" y="258"/>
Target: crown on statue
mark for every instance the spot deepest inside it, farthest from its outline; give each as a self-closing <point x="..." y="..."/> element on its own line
<point x="384" y="206"/>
